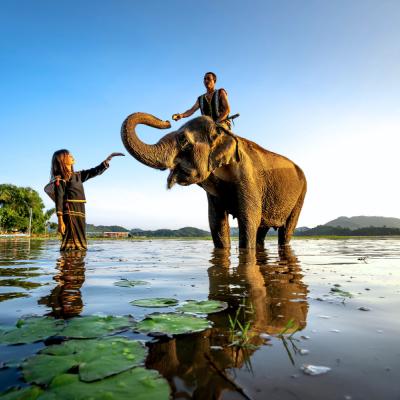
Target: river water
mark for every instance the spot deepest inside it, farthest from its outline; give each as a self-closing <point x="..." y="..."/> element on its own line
<point x="331" y="303"/>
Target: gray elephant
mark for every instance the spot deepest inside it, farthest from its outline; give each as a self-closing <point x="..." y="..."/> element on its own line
<point x="261" y="189"/>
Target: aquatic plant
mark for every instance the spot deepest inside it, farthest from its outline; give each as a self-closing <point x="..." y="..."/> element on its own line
<point x="137" y="383"/>
<point x="342" y="293"/>
<point x="94" y="359"/>
<point x="172" y="324"/>
<point x="94" y="326"/>
<point x="26" y="393"/>
<point x="239" y="333"/>
<point x="123" y="282"/>
<point x="203" y="307"/>
<point x="30" y="330"/>
<point x="155" y="302"/>
<point x="290" y="326"/>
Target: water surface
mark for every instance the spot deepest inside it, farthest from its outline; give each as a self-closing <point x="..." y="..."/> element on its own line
<point x="298" y="295"/>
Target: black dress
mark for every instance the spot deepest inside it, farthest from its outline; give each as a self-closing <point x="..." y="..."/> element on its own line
<point x="70" y="203"/>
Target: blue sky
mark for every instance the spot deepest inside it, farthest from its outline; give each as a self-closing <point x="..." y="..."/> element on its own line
<point x="317" y="81"/>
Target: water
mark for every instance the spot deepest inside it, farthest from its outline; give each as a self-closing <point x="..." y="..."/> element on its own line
<point x="297" y="299"/>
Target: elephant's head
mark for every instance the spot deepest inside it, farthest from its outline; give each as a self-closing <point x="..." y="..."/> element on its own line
<point x="192" y="152"/>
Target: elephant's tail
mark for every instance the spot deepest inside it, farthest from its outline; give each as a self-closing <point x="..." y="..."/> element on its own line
<point x="291" y="222"/>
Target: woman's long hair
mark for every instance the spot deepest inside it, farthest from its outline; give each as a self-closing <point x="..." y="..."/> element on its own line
<point x="58" y="167"/>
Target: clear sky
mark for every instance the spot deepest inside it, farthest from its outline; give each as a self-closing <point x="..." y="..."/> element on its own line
<point x="317" y="81"/>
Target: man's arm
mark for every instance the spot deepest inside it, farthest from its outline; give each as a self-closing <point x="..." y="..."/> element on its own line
<point x="188" y="113"/>
<point x="224" y="109"/>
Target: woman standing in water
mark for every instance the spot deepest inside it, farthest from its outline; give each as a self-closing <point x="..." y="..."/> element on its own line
<point x="69" y="197"/>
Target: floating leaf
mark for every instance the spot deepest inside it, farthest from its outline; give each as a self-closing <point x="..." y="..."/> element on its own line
<point x="155" y="302"/>
<point x="95" y="359"/>
<point x="94" y="326"/>
<point x="127" y="283"/>
<point x="137" y="383"/>
<point x="31" y="330"/>
<point x="27" y="393"/>
<point x="203" y="307"/>
<point x="172" y="324"/>
<point x="42" y="368"/>
<point x="340" y="292"/>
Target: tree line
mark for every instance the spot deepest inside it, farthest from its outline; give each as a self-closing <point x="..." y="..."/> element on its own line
<point x="15" y="205"/>
<point x="326" y="230"/>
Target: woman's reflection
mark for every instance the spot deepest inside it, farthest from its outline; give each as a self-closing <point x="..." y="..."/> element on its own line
<point x="264" y="294"/>
<point x="65" y="299"/>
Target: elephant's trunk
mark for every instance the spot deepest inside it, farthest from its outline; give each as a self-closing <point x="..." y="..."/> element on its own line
<point x="159" y="155"/>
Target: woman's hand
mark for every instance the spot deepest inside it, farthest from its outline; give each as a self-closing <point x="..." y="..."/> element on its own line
<point x="108" y="159"/>
<point x="61" y="226"/>
<point x="177" y="117"/>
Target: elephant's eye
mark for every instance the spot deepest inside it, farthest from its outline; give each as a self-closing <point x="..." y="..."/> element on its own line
<point x="183" y="142"/>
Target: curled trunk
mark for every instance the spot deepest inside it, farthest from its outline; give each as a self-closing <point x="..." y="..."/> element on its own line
<point x="159" y="155"/>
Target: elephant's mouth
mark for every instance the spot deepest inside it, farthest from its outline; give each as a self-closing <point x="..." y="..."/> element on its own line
<point x="181" y="177"/>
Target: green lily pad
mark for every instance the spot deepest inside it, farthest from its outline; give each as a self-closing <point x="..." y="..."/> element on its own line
<point x="42" y="368"/>
<point x="27" y="393"/>
<point x="172" y="324"/>
<point x="94" y="326"/>
<point x="127" y="283"/>
<point x="31" y="330"/>
<point x="203" y="307"/>
<point x="155" y="302"/>
<point x="94" y="359"/>
<point x="339" y="292"/>
<point x="137" y="383"/>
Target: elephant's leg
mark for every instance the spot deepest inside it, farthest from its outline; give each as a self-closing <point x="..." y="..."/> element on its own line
<point x="249" y="219"/>
<point x="261" y="233"/>
<point x="285" y="233"/>
<point x="282" y="235"/>
<point x="219" y="224"/>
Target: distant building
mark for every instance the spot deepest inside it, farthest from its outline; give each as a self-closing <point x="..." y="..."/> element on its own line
<point x="115" y="234"/>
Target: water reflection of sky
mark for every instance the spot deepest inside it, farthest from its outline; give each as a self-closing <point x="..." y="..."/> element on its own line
<point x="273" y="291"/>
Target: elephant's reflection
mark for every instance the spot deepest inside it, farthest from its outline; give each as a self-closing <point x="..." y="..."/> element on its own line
<point x="263" y="294"/>
<point x="65" y="300"/>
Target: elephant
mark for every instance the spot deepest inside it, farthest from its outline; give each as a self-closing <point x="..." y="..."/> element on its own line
<point x="260" y="188"/>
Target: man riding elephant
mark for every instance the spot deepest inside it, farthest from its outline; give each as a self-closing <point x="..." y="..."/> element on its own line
<point x="214" y="103"/>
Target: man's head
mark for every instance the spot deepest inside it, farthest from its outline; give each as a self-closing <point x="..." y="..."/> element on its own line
<point x="209" y="80"/>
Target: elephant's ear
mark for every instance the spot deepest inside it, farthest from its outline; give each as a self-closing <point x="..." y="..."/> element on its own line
<point x="224" y="150"/>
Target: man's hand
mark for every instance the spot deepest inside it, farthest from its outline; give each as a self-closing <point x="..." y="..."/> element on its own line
<point x="177" y="117"/>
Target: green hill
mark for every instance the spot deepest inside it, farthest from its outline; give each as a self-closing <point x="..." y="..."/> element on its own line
<point x="105" y="228"/>
<point x="323" y="230"/>
<point x="183" y="232"/>
<point x="364" y="222"/>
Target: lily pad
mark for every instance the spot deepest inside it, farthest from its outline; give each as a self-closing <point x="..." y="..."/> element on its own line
<point x="94" y="326"/>
<point x="340" y="292"/>
<point x="31" y="330"/>
<point x="172" y="324"/>
<point x="27" y="393"/>
<point x="128" y="283"/>
<point x="155" y="302"/>
<point x="203" y="307"/>
<point x="137" y="383"/>
<point x="94" y="359"/>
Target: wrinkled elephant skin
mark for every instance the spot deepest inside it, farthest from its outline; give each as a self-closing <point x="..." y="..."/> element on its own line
<point x="261" y="189"/>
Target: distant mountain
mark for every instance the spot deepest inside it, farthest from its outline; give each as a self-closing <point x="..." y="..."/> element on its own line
<point x="364" y="222"/>
<point x="105" y="228"/>
<point x="183" y="232"/>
